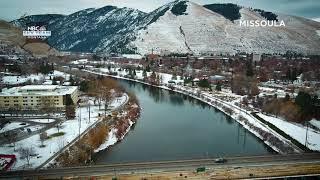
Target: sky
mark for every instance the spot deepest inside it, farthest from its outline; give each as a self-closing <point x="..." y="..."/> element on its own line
<point x="13" y="9"/>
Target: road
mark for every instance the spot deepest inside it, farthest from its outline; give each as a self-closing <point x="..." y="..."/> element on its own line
<point x="165" y="166"/>
<point x="21" y="134"/>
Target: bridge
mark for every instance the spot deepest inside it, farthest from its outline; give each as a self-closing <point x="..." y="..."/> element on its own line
<point x="308" y="164"/>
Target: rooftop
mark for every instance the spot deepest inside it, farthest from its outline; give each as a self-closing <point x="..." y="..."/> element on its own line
<point x="40" y="90"/>
<point x="39" y="87"/>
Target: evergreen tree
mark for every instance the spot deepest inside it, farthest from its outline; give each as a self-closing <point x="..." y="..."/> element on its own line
<point x="218" y="86"/>
<point x="54" y="81"/>
<point x="249" y="71"/>
<point x="71" y="80"/>
<point x="304" y="101"/>
<point x="134" y="72"/>
<point x="148" y="68"/>
<point x="144" y="74"/>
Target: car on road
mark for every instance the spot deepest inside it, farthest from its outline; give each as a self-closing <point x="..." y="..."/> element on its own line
<point x="220" y="160"/>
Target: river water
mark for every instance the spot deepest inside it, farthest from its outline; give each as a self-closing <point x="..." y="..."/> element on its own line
<point x="174" y="127"/>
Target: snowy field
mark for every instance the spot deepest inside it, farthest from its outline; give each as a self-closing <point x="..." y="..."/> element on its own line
<point x="22" y="79"/>
<point x="11" y="126"/>
<point x="139" y="75"/>
<point x="71" y="128"/>
<point x="42" y="120"/>
<point x="296" y="131"/>
<point x="315" y="123"/>
<point x="34" y="78"/>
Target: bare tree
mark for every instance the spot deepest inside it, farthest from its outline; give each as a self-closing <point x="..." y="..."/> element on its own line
<point x="12" y="138"/>
<point x="43" y="137"/>
<point x="26" y="153"/>
<point x="59" y="126"/>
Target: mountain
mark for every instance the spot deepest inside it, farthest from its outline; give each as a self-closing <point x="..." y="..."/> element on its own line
<point x="181" y="27"/>
<point x="43" y="18"/>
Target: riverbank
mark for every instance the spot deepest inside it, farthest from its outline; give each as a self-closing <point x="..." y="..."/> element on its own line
<point x="105" y="132"/>
<point x="267" y="135"/>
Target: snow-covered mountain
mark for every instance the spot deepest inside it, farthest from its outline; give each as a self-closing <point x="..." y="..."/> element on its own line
<point x="180" y="26"/>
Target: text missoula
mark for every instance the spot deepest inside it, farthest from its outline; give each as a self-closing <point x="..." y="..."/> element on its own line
<point x="262" y="23"/>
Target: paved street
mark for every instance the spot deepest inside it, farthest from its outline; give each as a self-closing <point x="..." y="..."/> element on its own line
<point x="165" y="166"/>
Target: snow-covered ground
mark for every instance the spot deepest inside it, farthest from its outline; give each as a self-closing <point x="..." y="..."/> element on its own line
<point x="58" y="74"/>
<point x="52" y="145"/>
<point x="111" y="140"/>
<point x="139" y="75"/>
<point x="71" y="128"/>
<point x="34" y="78"/>
<point x="22" y="79"/>
<point x="315" y="123"/>
<point x="11" y="126"/>
<point x="296" y="131"/>
<point x="42" y="120"/>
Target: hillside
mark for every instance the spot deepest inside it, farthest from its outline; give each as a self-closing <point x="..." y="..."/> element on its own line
<point x="181" y="27"/>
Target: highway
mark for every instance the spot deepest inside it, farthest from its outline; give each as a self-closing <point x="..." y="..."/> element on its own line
<point x="165" y="166"/>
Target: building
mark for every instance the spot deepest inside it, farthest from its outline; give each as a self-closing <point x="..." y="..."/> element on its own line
<point x="35" y="97"/>
<point x="256" y="57"/>
<point x="216" y="78"/>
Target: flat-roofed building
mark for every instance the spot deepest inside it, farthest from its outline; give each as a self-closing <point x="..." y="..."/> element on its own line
<point x="34" y="97"/>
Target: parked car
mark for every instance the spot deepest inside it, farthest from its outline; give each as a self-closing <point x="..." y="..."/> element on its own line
<point x="220" y="160"/>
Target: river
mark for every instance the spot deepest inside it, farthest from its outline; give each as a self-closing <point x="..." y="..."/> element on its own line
<point x="174" y="127"/>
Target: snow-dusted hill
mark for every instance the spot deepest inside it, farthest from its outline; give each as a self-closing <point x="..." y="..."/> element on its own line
<point x="202" y="30"/>
<point x="180" y="26"/>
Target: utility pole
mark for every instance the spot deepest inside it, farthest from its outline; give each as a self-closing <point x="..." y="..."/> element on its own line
<point x="79" y="120"/>
<point x="306" y="141"/>
<point x="89" y="112"/>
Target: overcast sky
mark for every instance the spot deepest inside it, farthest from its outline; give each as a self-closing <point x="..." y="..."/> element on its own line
<point x="13" y="9"/>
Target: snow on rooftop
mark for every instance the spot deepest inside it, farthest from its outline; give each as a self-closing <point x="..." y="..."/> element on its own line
<point x="80" y="61"/>
<point x="132" y="56"/>
<point x="41" y="90"/>
<point x="39" y="87"/>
